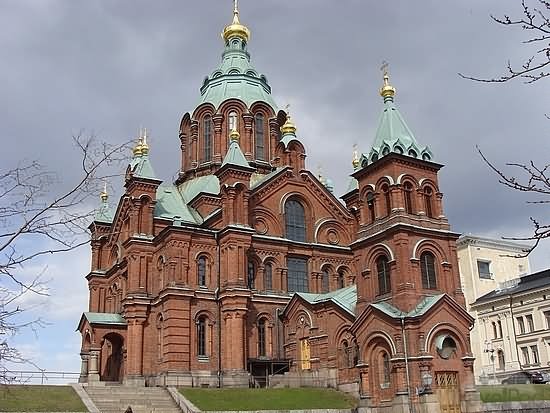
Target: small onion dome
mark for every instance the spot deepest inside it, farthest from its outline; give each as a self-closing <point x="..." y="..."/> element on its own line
<point x="236" y="29"/>
<point x="288" y="128"/>
<point x="104" y="195"/>
<point x="355" y="159"/>
<point x="234" y="136"/>
<point x="138" y="149"/>
<point x="387" y="90"/>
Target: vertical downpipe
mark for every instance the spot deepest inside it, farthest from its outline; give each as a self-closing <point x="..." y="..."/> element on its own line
<point x="218" y="303"/>
<point x="411" y="409"/>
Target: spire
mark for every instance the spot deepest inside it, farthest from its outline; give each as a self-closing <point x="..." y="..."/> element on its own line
<point x="236" y="29"/>
<point x="393" y="134"/>
<point x="140" y="165"/>
<point x="104" y="213"/>
<point x="234" y="155"/>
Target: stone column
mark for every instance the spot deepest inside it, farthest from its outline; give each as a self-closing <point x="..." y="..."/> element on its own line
<point x="135" y="351"/>
<point x="217" y="120"/>
<point x="193" y="150"/>
<point x="273" y="137"/>
<point x="238" y="343"/>
<point x="247" y="145"/>
<point x="84" y="367"/>
<point x="93" y="372"/>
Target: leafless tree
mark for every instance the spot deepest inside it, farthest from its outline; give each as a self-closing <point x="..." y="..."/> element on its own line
<point x="38" y="219"/>
<point x="534" y="19"/>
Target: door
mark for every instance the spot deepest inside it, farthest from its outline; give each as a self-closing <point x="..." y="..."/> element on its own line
<point x="305" y="354"/>
<point x="448" y="391"/>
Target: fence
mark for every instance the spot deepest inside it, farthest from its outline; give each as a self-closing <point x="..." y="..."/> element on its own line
<point x="43" y="377"/>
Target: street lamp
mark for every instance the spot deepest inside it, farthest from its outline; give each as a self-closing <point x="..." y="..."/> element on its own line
<point x="426" y="384"/>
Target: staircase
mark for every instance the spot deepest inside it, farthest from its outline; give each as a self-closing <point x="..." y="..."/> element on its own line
<point x="116" y="399"/>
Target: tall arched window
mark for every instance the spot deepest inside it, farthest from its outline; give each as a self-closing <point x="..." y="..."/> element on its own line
<point x="383" y="269"/>
<point x="232" y="121"/>
<point x="207" y="128"/>
<point x="251" y="278"/>
<point x="160" y="337"/>
<point x="261" y="338"/>
<point x="427" y="265"/>
<point x="370" y="206"/>
<point x="408" y="189"/>
<point x="387" y="199"/>
<point x="499" y="323"/>
<point x="268" y="276"/>
<point x="201" y="337"/>
<point x="385" y="378"/>
<point x="295" y="220"/>
<point x="201" y="271"/>
<point x="259" y="135"/>
<point x="428" y="201"/>
<point x="325" y="281"/>
<point x="341" y="279"/>
<point x="494" y="330"/>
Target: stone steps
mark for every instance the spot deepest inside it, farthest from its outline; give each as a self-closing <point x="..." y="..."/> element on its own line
<point x="116" y="399"/>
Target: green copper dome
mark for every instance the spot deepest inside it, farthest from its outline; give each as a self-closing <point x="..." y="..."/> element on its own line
<point x="235" y="77"/>
<point x="393" y="134"/>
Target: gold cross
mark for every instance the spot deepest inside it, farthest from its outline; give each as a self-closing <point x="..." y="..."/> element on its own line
<point x="384" y="67"/>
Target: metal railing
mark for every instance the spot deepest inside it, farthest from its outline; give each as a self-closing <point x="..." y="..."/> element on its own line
<point x="43" y="376"/>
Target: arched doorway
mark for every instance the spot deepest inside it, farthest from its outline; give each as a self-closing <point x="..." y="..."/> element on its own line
<point x="112" y="357"/>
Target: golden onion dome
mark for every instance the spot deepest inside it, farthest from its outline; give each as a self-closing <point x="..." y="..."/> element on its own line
<point x="288" y="127"/>
<point x="138" y="148"/>
<point x="234" y="136"/>
<point x="387" y="90"/>
<point x="104" y="195"/>
<point x="236" y="29"/>
<point x="355" y="158"/>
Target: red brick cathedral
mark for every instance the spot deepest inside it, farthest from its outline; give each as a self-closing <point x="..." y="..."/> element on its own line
<point x="248" y="270"/>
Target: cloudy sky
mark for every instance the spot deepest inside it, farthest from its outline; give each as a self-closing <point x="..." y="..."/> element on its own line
<point x="108" y="67"/>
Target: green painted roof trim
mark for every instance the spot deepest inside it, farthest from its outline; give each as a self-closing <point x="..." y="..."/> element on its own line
<point x="289" y="137"/>
<point x="142" y="168"/>
<point x="345" y="298"/>
<point x="171" y="205"/>
<point x="104" y="214"/>
<point x="421" y="308"/>
<point x="105" y="318"/>
<point x="235" y="156"/>
<point x="235" y="77"/>
<point x="394" y="135"/>
<point x="209" y="184"/>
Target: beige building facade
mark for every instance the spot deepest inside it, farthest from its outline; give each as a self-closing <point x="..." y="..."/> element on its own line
<point x="488" y="265"/>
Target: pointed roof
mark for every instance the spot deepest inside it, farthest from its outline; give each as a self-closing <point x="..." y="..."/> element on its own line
<point x="345" y="298"/>
<point x="393" y="134"/>
<point x="140" y="165"/>
<point x="234" y="155"/>
<point x="235" y="77"/>
<point x="104" y="214"/>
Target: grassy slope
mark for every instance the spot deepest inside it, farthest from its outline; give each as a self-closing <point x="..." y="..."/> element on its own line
<point x="514" y="392"/>
<point x="22" y="398"/>
<point x="268" y="399"/>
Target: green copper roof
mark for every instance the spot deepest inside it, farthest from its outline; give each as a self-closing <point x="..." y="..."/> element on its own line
<point x="235" y="156"/>
<point x="257" y="179"/>
<point x="142" y="168"/>
<point x="235" y="77"/>
<point x="171" y="205"/>
<point x="345" y="298"/>
<point x="393" y="135"/>
<point x="209" y="184"/>
<point x="105" y="318"/>
<point x="421" y="308"/>
<point x="289" y="137"/>
<point x="104" y="214"/>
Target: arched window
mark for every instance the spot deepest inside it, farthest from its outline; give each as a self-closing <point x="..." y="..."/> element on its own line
<point x="268" y="276"/>
<point x="427" y="265"/>
<point x="387" y="199"/>
<point x="499" y="323"/>
<point x="207" y="127"/>
<point x="494" y="330"/>
<point x="345" y="352"/>
<point x="297" y="275"/>
<point x="251" y="278"/>
<point x="501" y="360"/>
<point x="385" y="376"/>
<point x="201" y="337"/>
<point x="408" y="189"/>
<point x="428" y="201"/>
<point x="261" y="338"/>
<point x="383" y="269"/>
<point x="160" y="337"/>
<point x="324" y="281"/>
<point x="341" y="280"/>
<point x="201" y="271"/>
<point x="232" y="121"/>
<point x="259" y="134"/>
<point x="295" y="220"/>
<point x="370" y="206"/>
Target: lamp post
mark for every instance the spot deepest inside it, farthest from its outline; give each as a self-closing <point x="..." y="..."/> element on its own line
<point x="491" y="351"/>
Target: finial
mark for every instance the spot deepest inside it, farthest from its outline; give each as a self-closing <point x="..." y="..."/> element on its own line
<point x="139" y="146"/>
<point x="144" y="145"/>
<point x="320" y="175"/>
<point x="387" y="91"/>
<point x="104" y="195"/>
<point x="355" y="157"/>
<point x="234" y="136"/>
<point x="288" y="127"/>
<point x="236" y="29"/>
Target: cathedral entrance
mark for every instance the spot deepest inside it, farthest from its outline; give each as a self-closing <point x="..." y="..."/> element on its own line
<point x="112" y="357"/>
<point x="446" y="386"/>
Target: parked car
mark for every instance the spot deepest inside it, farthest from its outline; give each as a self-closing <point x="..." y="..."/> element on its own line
<point x="526" y="377"/>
